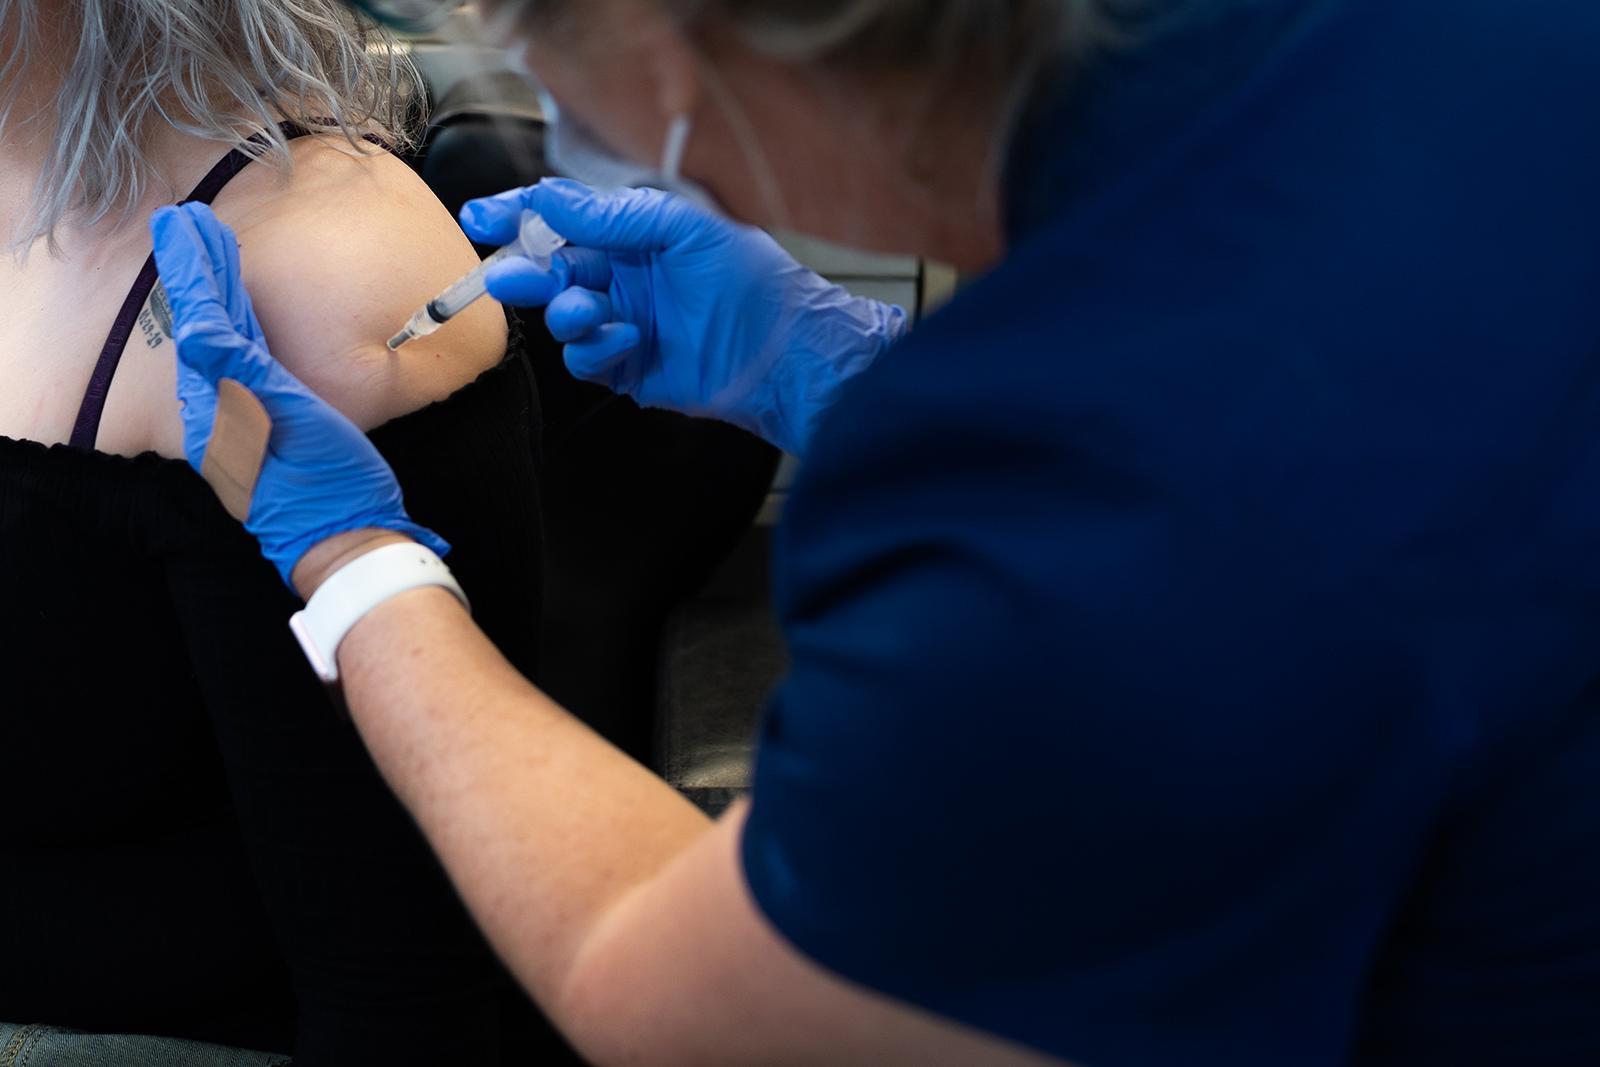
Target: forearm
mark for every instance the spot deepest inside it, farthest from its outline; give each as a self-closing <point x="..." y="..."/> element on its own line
<point x="543" y="826"/>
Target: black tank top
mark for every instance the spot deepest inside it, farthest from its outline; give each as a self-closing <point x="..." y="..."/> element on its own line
<point x="194" y="842"/>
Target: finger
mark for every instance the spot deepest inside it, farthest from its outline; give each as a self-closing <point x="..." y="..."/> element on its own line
<point x="587" y="268"/>
<point x="576" y="313"/>
<point x="627" y="220"/>
<point x="222" y="247"/>
<point x="520" y="282"/>
<point x="198" y="261"/>
<point x="495" y="220"/>
<point x="610" y="346"/>
<point x="184" y="261"/>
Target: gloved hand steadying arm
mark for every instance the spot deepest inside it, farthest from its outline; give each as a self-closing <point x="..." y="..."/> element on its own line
<point x="322" y="476"/>
<point x="678" y="308"/>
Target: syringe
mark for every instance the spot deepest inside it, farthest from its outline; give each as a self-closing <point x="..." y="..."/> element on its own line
<point x="536" y="241"/>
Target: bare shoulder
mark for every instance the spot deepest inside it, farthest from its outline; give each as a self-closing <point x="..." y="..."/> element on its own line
<point x="337" y="253"/>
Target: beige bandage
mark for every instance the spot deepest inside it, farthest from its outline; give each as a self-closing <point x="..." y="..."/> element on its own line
<point x="237" y="448"/>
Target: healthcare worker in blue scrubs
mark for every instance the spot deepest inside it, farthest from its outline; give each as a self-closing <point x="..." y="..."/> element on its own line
<point x="1195" y="627"/>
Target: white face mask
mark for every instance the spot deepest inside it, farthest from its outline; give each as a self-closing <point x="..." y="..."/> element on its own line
<point x="574" y="150"/>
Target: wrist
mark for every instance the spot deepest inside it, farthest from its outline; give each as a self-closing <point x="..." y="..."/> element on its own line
<point x="326" y="558"/>
<point x="802" y="390"/>
<point x="364" y="572"/>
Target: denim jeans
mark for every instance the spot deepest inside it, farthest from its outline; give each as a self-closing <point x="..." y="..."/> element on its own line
<point x="49" y="1046"/>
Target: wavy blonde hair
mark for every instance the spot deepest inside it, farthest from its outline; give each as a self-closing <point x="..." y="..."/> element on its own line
<point x="223" y="70"/>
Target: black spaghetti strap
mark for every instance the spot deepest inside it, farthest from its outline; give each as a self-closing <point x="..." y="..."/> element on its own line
<point x="86" y="428"/>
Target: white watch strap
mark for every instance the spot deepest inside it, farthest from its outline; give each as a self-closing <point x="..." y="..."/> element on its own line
<point x="358" y="587"/>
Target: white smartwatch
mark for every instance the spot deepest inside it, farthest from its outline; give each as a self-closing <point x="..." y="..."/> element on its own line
<point x="358" y="587"/>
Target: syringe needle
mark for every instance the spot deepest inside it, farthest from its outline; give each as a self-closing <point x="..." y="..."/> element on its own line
<point x="421" y="325"/>
<point x="535" y="241"/>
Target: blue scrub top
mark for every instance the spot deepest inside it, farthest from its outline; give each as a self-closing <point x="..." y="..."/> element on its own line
<point x="1196" y="627"/>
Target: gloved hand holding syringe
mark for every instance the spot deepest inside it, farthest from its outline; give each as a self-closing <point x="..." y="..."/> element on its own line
<point x="661" y="299"/>
<point x="535" y="241"/>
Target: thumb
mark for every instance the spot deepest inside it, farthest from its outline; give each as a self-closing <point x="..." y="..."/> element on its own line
<point x="626" y="220"/>
<point x="520" y="282"/>
<point x="495" y="220"/>
<point x="197" y="400"/>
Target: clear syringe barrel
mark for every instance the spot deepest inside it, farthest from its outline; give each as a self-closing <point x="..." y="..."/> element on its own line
<point x="535" y="241"/>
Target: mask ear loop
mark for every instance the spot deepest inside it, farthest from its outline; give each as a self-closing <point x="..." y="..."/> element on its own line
<point x="749" y="141"/>
<point x="677" y="146"/>
<point x="679" y="130"/>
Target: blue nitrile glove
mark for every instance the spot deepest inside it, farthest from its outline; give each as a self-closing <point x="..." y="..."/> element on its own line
<point x="679" y="308"/>
<point x="322" y="476"/>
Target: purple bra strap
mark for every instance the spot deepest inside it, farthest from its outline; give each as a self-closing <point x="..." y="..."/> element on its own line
<point x="86" y="430"/>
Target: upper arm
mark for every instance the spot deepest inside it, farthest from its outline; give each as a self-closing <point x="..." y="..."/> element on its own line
<point x="337" y="256"/>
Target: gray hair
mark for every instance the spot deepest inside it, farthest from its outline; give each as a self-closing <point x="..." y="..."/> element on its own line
<point x="906" y="32"/>
<point x="223" y="70"/>
<point x="1006" y="47"/>
<point x="879" y="33"/>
